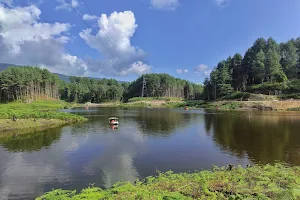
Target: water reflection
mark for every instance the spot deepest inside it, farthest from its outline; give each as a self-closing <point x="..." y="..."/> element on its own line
<point x="30" y="142"/>
<point x="163" y="122"/>
<point x="264" y="137"/>
<point x="146" y="140"/>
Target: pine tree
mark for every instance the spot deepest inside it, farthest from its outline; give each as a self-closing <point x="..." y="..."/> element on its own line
<point x="289" y="59"/>
<point x="274" y="72"/>
<point x="259" y="66"/>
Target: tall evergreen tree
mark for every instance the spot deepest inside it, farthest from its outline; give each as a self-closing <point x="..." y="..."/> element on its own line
<point x="237" y="72"/>
<point x="259" y="66"/>
<point x="274" y="72"/>
<point x="289" y="59"/>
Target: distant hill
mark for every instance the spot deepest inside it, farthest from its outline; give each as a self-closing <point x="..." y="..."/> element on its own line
<point x="4" y="66"/>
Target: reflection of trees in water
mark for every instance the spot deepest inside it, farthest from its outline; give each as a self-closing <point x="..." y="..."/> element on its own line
<point x="149" y="121"/>
<point x="32" y="141"/>
<point x="265" y="138"/>
<point x="162" y="121"/>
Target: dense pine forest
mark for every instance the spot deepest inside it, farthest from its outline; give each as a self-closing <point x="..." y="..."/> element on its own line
<point x="28" y="83"/>
<point x="31" y="83"/>
<point x="267" y="67"/>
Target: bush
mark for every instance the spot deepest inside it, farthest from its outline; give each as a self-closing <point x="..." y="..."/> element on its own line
<point x="243" y="96"/>
<point x="289" y="96"/>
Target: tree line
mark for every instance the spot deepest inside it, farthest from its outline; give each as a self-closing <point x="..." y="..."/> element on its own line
<point x="30" y="83"/>
<point x="164" y="85"/>
<point x="267" y="67"/>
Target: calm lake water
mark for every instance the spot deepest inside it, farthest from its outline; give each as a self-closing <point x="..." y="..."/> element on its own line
<point x="147" y="140"/>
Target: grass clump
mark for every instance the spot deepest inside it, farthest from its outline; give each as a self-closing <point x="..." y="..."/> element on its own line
<point x="241" y="96"/>
<point x="257" y="182"/>
<point x="167" y="99"/>
<point x="37" y="110"/>
<point x="38" y="114"/>
<point x="294" y="109"/>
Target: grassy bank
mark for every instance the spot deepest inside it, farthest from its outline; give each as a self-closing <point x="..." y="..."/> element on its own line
<point x="234" y="101"/>
<point x="257" y="182"/>
<point x="36" y="115"/>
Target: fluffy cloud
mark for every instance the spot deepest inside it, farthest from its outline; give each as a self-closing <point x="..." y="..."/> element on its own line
<point x="67" y="4"/>
<point x="220" y="2"/>
<point x="89" y="17"/>
<point x="113" y="42"/>
<point x="164" y="4"/>
<point x="202" y="70"/>
<point x="41" y="44"/>
<point x="181" y="71"/>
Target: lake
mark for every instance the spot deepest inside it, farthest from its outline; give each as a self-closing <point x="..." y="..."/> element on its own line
<point x="146" y="141"/>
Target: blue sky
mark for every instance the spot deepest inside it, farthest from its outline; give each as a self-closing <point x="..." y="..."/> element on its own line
<point x="142" y="36"/>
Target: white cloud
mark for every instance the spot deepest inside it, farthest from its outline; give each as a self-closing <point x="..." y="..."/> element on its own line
<point x="89" y="17"/>
<point x="137" y="68"/>
<point x="41" y="44"/>
<point x="67" y="4"/>
<point x="181" y="71"/>
<point x="113" y="42"/>
<point x="202" y="70"/>
<point x="220" y="2"/>
<point x="207" y="72"/>
<point x="164" y="4"/>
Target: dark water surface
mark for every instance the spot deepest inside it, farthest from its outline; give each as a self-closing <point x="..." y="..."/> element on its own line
<point x="147" y="140"/>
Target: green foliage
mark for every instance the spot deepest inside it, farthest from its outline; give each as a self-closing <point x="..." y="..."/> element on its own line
<point x="294" y="109"/>
<point x="290" y="96"/>
<point x="28" y="83"/>
<point x="37" y="110"/>
<point x="164" y="85"/>
<point x="167" y="99"/>
<point x="265" y="68"/>
<point x="259" y="66"/>
<point x="82" y="89"/>
<point x="237" y="96"/>
<point x="257" y="182"/>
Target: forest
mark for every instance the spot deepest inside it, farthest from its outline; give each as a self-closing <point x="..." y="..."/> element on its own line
<point x="31" y="83"/>
<point x="28" y="83"/>
<point x="266" y="68"/>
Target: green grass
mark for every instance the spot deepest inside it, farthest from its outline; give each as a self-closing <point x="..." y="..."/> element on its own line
<point x="37" y="110"/>
<point x="167" y="99"/>
<point x="289" y="96"/>
<point x="257" y="182"/>
<point x="294" y="109"/>
<point x="36" y="115"/>
<point x="237" y="96"/>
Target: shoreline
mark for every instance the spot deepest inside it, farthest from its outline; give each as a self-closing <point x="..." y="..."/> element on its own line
<point x="259" y="105"/>
<point x="256" y="182"/>
<point x="24" y="126"/>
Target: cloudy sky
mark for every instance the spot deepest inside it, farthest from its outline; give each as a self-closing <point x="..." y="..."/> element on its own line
<point x="124" y="39"/>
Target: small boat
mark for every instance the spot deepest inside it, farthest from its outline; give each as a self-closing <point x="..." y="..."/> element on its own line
<point x="113" y="121"/>
<point x="186" y="108"/>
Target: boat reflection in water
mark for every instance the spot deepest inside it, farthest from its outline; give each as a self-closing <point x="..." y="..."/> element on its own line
<point x="114" y="127"/>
